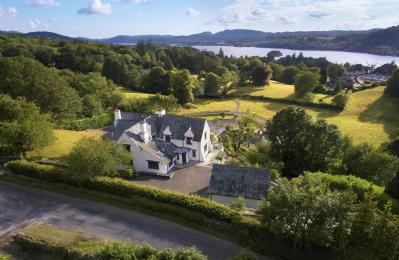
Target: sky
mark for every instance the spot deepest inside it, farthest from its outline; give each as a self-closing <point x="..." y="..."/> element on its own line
<point x="106" y="18"/>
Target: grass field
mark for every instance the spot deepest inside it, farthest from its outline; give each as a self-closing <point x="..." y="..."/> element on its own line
<point x="368" y="117"/>
<point x="278" y="90"/>
<point x="129" y="94"/>
<point x="64" y="142"/>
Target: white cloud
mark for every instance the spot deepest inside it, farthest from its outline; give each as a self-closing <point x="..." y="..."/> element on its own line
<point x="8" y="12"/>
<point x="42" y="3"/>
<point x="192" y="12"/>
<point x="34" y="24"/>
<point x="96" y="7"/>
<point x="242" y="12"/>
<point x="12" y="12"/>
<point x="290" y="15"/>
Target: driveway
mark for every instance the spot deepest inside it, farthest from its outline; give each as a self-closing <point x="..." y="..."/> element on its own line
<point x="192" y="180"/>
<point x="20" y="206"/>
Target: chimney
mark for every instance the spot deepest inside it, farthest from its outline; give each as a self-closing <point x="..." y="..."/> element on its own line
<point x="161" y="113"/>
<point x="144" y="135"/>
<point x="117" y="116"/>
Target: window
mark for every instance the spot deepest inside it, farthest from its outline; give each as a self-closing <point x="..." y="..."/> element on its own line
<point x="205" y="135"/>
<point x="205" y="148"/>
<point x="127" y="147"/>
<point x="178" y="157"/>
<point x="167" y="138"/>
<point x="194" y="153"/>
<point x="171" y="164"/>
<point x="189" y="140"/>
<point x="153" y="165"/>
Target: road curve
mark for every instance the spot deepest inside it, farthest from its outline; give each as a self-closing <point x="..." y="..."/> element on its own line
<point x="21" y="205"/>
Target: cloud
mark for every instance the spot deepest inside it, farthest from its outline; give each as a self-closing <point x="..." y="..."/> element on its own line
<point x="34" y="24"/>
<point x="8" y="12"/>
<point x="318" y="15"/>
<point x="192" y="12"/>
<point x="37" y="3"/>
<point x="286" y="20"/>
<point x="243" y="12"/>
<point x="96" y="7"/>
<point x="12" y="12"/>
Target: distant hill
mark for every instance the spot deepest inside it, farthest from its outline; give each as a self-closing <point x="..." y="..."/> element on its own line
<point x="376" y="41"/>
<point x="48" y="35"/>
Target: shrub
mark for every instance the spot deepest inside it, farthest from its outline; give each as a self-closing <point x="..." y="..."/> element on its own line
<point x="125" y="189"/>
<point x="97" y="121"/>
<point x="4" y="257"/>
<point x="82" y="248"/>
<point x="341" y="99"/>
<point x="358" y="185"/>
<point x="126" y="173"/>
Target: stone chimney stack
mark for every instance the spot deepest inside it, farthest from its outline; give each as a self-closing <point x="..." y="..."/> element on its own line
<point x="117" y="116"/>
<point x="144" y="134"/>
<point x="161" y="113"/>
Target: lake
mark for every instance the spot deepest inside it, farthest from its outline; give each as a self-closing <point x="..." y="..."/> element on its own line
<point x="332" y="56"/>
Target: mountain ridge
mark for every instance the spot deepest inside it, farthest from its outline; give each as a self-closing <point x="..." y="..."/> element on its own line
<point x="374" y="41"/>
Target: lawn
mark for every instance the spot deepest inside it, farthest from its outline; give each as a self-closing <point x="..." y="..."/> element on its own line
<point x="129" y="94"/>
<point x="368" y="117"/>
<point x="274" y="90"/>
<point x="64" y="142"/>
<point x="277" y="90"/>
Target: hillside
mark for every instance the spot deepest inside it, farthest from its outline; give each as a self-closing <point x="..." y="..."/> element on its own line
<point x="375" y="41"/>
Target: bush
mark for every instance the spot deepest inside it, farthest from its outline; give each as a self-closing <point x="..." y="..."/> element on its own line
<point x="82" y="248"/>
<point x="126" y="189"/>
<point x="4" y="257"/>
<point x="341" y="99"/>
<point x="126" y="173"/>
<point x="97" y="121"/>
<point x="358" y="185"/>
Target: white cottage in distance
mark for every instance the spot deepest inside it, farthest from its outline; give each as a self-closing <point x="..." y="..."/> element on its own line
<point x="158" y="141"/>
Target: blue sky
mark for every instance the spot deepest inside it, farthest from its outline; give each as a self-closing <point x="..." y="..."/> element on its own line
<point x="105" y="18"/>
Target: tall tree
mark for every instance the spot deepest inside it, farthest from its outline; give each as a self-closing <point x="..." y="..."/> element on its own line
<point x="393" y="85"/>
<point x="306" y="82"/>
<point x="301" y="144"/>
<point x="180" y="83"/>
<point x="44" y="86"/>
<point x="261" y="75"/>
<point x="335" y="72"/>
<point x="22" y="127"/>
<point x="211" y="84"/>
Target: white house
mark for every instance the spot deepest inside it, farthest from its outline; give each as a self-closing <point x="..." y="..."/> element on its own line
<point x="228" y="183"/>
<point x="159" y="141"/>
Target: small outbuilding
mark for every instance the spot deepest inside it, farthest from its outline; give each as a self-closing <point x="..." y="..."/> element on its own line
<point x="228" y="183"/>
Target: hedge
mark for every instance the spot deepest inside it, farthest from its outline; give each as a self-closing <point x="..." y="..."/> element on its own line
<point x="77" y="247"/>
<point x="293" y="102"/>
<point x="123" y="188"/>
<point x="97" y="121"/>
<point x="358" y="185"/>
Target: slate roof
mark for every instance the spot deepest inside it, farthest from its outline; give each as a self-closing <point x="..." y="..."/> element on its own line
<point x="178" y="125"/>
<point x="235" y="181"/>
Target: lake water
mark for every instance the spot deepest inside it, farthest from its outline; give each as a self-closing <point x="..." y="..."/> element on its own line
<point x="332" y="56"/>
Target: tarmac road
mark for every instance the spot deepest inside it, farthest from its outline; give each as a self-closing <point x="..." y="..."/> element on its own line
<point x="20" y="206"/>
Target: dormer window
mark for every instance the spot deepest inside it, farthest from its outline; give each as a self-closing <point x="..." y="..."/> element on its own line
<point x="189" y="140"/>
<point x="167" y="138"/>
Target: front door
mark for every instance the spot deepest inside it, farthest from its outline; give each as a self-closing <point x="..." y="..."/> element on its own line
<point x="184" y="158"/>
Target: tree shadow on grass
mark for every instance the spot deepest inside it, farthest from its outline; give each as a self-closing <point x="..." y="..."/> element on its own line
<point x="384" y="110"/>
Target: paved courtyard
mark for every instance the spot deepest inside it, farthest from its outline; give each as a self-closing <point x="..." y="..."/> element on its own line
<point x="192" y="180"/>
